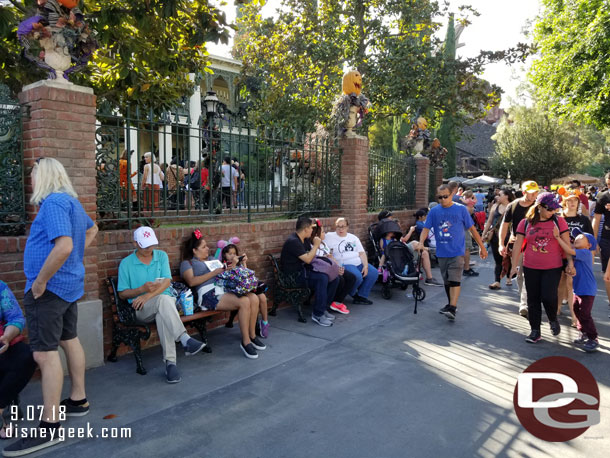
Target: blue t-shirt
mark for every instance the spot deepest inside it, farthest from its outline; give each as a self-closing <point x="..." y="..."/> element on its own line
<point x="59" y="215"/>
<point x="480" y="206"/>
<point x="419" y="226"/>
<point x="133" y="273"/>
<point x="584" y="283"/>
<point x="449" y="226"/>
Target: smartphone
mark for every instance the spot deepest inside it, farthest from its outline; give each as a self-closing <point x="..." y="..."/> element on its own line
<point x="241" y="258"/>
<point x="3" y="347"/>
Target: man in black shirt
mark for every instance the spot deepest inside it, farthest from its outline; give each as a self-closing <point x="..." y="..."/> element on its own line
<point x="513" y="215"/>
<point x="297" y="254"/>
<point x="602" y="207"/>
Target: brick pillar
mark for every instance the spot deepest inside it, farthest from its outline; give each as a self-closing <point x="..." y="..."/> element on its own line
<point x="422" y="181"/>
<point x="354" y="183"/>
<point x="61" y="125"/>
<point x="438" y="177"/>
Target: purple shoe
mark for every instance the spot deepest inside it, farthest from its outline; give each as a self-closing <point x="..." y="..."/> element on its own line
<point x="264" y="329"/>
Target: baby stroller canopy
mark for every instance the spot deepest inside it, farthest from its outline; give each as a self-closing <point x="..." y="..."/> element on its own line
<point x="387" y="225"/>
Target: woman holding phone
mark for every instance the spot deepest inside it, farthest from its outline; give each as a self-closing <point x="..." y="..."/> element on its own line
<point x="198" y="276"/>
<point x="16" y="362"/>
<point x="230" y="256"/>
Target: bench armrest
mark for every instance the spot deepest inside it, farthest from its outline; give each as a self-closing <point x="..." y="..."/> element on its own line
<point x="124" y="310"/>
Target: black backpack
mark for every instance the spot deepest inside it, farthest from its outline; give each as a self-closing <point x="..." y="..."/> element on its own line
<point x="193" y="180"/>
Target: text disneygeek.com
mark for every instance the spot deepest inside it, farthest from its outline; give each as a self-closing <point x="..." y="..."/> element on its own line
<point x="63" y="433"/>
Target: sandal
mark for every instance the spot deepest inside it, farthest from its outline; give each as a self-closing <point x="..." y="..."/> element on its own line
<point x="495" y="285"/>
<point x="509" y="282"/>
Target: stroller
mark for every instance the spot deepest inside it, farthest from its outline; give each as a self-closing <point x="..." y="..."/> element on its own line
<point x="400" y="268"/>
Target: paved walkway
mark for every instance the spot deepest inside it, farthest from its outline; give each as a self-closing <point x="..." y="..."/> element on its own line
<point x="382" y="382"/>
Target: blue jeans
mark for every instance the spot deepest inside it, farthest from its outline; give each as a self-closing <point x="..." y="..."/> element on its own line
<point x="364" y="285"/>
<point x="324" y="290"/>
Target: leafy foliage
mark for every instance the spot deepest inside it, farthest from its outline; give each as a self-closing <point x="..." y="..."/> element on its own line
<point x="294" y="62"/>
<point x="534" y="146"/>
<point x="147" y="48"/>
<point x="571" y="72"/>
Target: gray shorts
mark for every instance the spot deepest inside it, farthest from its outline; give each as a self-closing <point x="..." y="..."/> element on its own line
<point x="468" y="240"/>
<point x="50" y="319"/>
<point x="451" y="268"/>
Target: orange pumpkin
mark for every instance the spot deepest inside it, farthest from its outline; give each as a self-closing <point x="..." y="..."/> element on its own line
<point x="352" y="82"/>
<point x="422" y="123"/>
<point x="68" y="3"/>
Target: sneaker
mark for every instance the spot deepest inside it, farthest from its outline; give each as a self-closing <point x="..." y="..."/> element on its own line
<point x="533" y="337"/>
<point x="73" y="410"/>
<point x="264" y="329"/>
<point x="361" y="300"/>
<point x="258" y="344"/>
<point x="339" y="307"/>
<point x="523" y="311"/>
<point x="432" y="282"/>
<point x="171" y="373"/>
<point x="444" y="309"/>
<point x="193" y="346"/>
<point x="581" y="339"/>
<point x="30" y="445"/>
<point x="555" y="328"/>
<point x="329" y="315"/>
<point x="322" y="320"/>
<point x="450" y="313"/>
<point x="470" y="273"/>
<point x="249" y="350"/>
<point x="591" y="345"/>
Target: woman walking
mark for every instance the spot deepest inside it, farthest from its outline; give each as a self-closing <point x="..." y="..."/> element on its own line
<point x="491" y="233"/>
<point x="543" y="261"/>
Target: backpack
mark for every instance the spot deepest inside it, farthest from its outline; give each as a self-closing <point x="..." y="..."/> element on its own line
<point x="239" y="281"/>
<point x="193" y="180"/>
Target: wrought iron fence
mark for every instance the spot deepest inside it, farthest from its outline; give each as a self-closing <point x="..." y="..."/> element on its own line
<point x="12" y="196"/>
<point x="275" y="172"/>
<point x="391" y="181"/>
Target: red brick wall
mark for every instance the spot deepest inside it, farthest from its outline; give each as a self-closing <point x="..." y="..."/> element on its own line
<point x="422" y="165"/>
<point x="61" y="125"/>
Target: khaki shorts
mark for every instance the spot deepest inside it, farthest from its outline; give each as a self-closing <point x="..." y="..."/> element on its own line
<point x="468" y="240"/>
<point x="451" y="269"/>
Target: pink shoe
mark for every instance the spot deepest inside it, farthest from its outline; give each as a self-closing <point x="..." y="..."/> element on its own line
<point x="339" y="307"/>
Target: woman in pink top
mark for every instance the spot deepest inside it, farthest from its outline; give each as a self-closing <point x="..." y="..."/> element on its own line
<point x="543" y="261"/>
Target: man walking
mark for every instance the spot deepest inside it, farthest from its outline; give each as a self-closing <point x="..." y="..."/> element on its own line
<point x="513" y="215"/>
<point x="602" y="207"/>
<point x="53" y="266"/>
<point x="450" y="222"/>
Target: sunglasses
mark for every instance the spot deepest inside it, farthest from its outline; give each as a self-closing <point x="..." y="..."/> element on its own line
<point x="443" y="197"/>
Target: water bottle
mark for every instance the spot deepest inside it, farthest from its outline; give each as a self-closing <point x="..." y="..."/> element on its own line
<point x="187" y="302"/>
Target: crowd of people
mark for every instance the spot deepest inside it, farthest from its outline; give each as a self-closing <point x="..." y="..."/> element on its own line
<point x="546" y="240"/>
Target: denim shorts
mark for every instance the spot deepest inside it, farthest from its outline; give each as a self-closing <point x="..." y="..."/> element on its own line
<point x="209" y="301"/>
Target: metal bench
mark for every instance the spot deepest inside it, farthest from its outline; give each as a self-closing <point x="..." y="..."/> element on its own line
<point x="285" y="289"/>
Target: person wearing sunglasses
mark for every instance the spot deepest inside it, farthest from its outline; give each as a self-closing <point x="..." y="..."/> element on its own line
<point x="450" y="222"/>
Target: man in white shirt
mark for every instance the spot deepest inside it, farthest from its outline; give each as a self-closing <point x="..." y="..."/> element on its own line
<point x="349" y="252"/>
<point x="228" y="182"/>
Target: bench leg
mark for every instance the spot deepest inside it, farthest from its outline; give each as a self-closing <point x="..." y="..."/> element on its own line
<point x="273" y="311"/>
<point x="117" y="338"/>
<point x="299" y="306"/>
<point x="229" y="323"/>
<point x="201" y="326"/>
<point x="132" y="338"/>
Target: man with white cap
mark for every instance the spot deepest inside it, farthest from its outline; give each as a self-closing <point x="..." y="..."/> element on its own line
<point x="513" y="215"/>
<point x="144" y="279"/>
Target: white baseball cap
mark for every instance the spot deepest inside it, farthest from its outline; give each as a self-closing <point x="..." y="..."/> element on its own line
<point x="145" y="237"/>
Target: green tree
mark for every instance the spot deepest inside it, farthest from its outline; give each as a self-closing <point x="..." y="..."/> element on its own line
<point x="571" y="71"/>
<point x="146" y="48"/>
<point x="295" y="62"/>
<point x="531" y="145"/>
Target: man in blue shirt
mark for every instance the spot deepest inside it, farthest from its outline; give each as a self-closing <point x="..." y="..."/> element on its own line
<point x="450" y="221"/>
<point x="144" y="279"/>
<point x="53" y="266"/>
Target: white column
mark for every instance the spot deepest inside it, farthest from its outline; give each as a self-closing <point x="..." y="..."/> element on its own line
<point x="165" y="144"/>
<point x="195" y="113"/>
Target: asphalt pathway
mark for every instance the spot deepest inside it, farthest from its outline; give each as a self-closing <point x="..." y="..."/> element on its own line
<point x="382" y="382"/>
